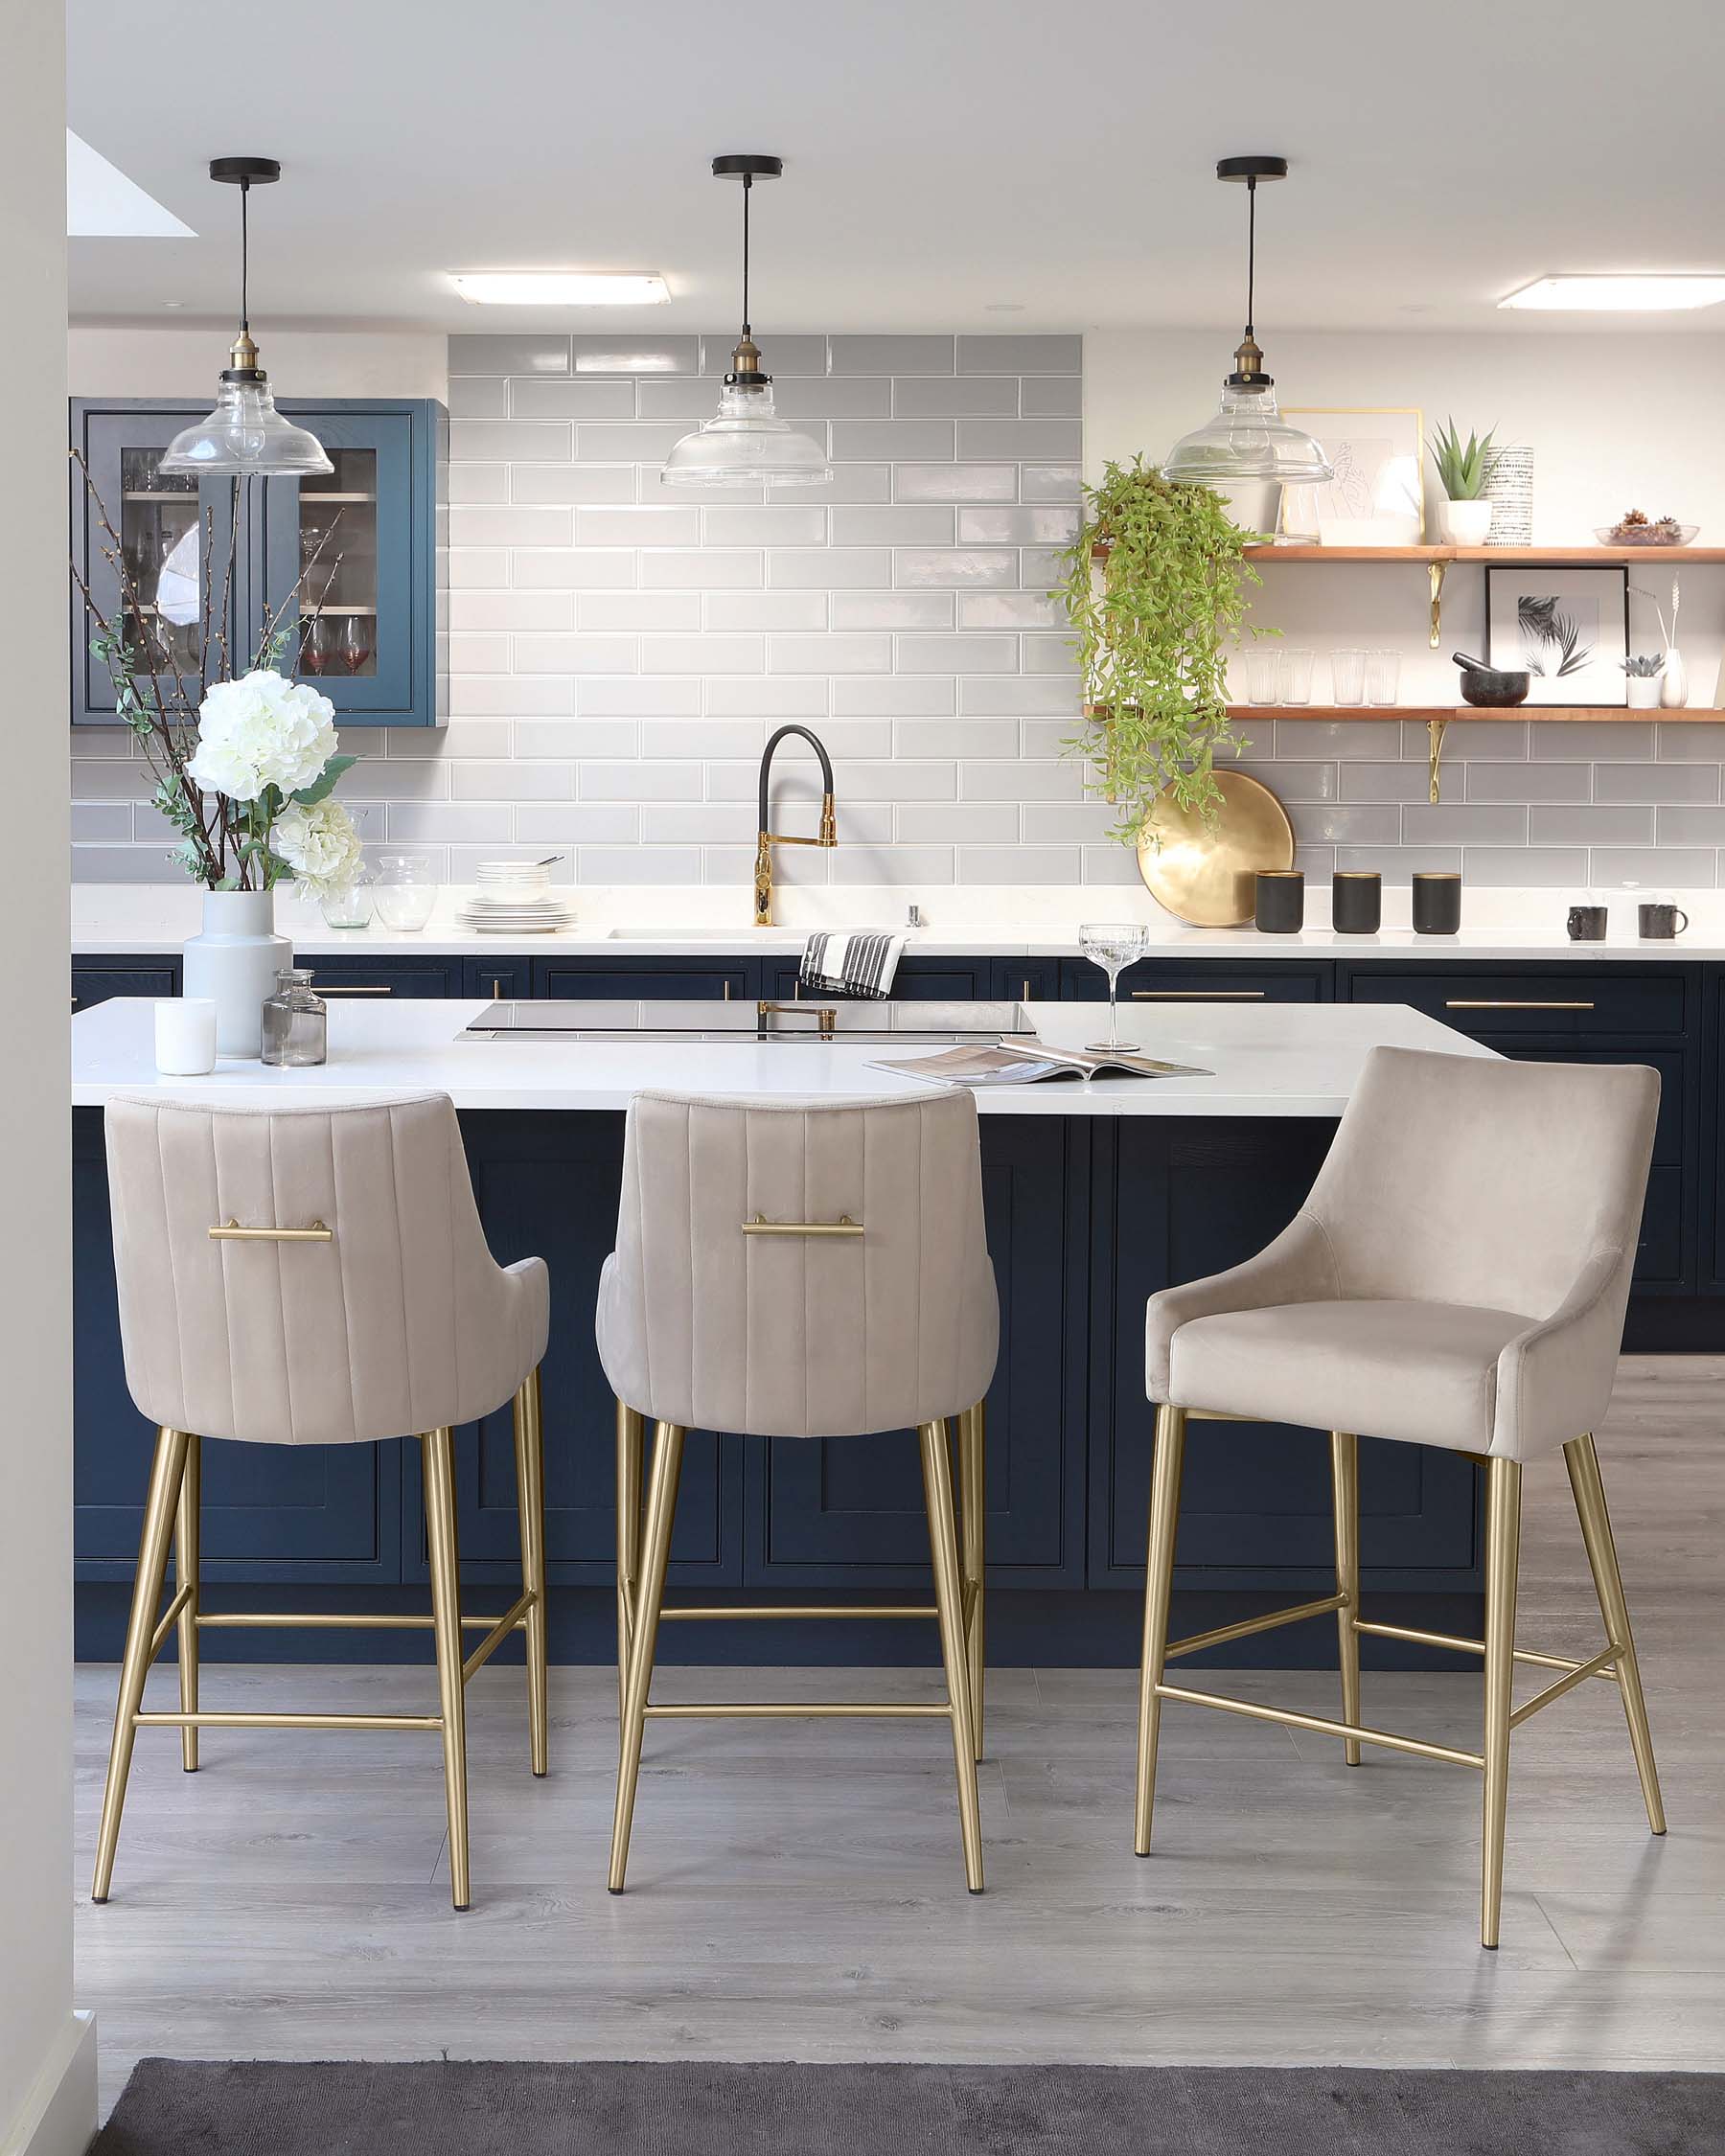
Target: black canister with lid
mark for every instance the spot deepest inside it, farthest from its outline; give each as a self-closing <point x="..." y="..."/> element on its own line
<point x="1279" y="909"/>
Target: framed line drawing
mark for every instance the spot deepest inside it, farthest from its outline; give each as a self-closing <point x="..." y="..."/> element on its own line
<point x="1379" y="457"/>
<point x="1568" y="626"/>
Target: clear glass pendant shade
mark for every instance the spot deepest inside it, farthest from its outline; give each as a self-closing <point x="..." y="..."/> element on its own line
<point x="1247" y="442"/>
<point x="245" y="434"/>
<point x="745" y="443"/>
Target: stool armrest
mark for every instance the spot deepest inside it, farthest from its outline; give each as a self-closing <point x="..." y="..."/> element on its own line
<point x="1298" y="1267"/>
<point x="1554" y="1380"/>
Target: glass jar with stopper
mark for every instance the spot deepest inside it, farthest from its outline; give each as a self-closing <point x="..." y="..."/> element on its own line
<point x="296" y="1023"/>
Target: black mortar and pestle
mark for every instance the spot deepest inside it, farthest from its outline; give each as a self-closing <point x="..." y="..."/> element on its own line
<point x="1491" y="687"/>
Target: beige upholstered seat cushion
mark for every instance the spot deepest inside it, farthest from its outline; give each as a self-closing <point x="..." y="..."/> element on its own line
<point x="1422" y="1371"/>
<point x="402" y="1322"/>
<point x="1457" y="1275"/>
<point x="791" y="1336"/>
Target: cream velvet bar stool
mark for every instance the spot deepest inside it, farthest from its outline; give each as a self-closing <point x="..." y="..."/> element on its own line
<point x="316" y="1276"/>
<point x="1457" y="1277"/>
<point x="800" y="1269"/>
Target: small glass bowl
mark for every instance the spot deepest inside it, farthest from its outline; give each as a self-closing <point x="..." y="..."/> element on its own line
<point x="1665" y="533"/>
<point x="350" y="906"/>
<point x="404" y="890"/>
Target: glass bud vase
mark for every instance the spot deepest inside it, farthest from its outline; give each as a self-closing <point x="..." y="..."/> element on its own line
<point x="296" y="1023"/>
<point x="234" y="961"/>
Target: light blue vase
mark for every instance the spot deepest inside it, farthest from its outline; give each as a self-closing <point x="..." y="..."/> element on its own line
<point x="234" y="961"/>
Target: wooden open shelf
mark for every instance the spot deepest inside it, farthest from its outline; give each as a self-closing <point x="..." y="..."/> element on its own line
<point x="1443" y="713"/>
<point x="1546" y="556"/>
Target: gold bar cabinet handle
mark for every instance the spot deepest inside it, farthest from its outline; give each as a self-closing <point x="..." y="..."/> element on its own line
<point x="1199" y="994"/>
<point x="1510" y="1003"/>
<point x="231" y="1231"/>
<point x="842" y="1226"/>
<point x="318" y="988"/>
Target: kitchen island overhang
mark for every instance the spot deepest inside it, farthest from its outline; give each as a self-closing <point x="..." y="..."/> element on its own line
<point x="1096" y="1195"/>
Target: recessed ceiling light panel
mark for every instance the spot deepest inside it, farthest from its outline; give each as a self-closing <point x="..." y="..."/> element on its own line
<point x="1618" y="295"/>
<point x="559" y="287"/>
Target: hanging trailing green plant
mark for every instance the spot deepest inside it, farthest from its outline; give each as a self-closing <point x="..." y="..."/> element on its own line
<point x="1155" y="588"/>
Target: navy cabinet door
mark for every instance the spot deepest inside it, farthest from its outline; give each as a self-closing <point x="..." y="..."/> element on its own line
<point x="497" y="977"/>
<point x="849" y="1510"/>
<point x="1199" y="981"/>
<point x="1177" y="1205"/>
<point x="648" y="981"/>
<point x="1030" y="980"/>
<point x="396" y="978"/>
<point x="309" y="1513"/>
<point x="923" y="980"/>
<point x="360" y="545"/>
<point x="95" y="979"/>
<point x="547" y="1187"/>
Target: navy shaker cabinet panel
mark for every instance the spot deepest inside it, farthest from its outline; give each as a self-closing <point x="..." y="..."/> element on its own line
<point x="1199" y="981"/>
<point x="419" y="979"/>
<point x="95" y="979"/>
<point x="664" y="980"/>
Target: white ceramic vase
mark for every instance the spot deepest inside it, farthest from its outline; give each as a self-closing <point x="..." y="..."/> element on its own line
<point x="234" y="961"/>
<point x="1464" y="523"/>
<point x="1674" y="682"/>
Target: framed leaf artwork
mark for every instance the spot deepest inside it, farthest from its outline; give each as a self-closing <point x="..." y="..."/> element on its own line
<point x="1569" y="628"/>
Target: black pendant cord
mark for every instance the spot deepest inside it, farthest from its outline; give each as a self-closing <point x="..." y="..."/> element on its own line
<point x="1251" y="249"/>
<point x="747" y="185"/>
<point x="244" y="261"/>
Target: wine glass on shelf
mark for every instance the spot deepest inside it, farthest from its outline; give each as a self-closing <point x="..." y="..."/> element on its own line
<point x="355" y="641"/>
<point x="316" y="643"/>
<point x="1113" y="946"/>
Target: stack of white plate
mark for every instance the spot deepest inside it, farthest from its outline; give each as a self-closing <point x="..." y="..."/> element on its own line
<point x="515" y="897"/>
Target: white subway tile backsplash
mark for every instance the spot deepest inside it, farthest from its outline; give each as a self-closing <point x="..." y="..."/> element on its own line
<point x="1008" y="609"/>
<point x="908" y="527"/>
<point x="959" y="654"/>
<point x="892" y="610"/>
<point x="769" y="609"/>
<point x="650" y="525"/>
<point x="954" y="822"/>
<point x="704" y="654"/>
<point x="579" y="823"/>
<point x="473" y="524"/>
<point x="1051" y="482"/>
<point x="572" y="568"/>
<point x="575" y="738"/>
<point x="865" y="397"/>
<point x="904" y="697"/>
<point x="574" y="654"/>
<point x="1051" y="397"/>
<point x="478" y="397"/>
<point x="871" y="440"/>
<point x="629" y="611"/>
<point x="512" y="610"/>
<point x="985" y="781"/>
<point x="1050" y="655"/>
<point x="960" y="397"/>
<point x="641" y="695"/>
<point x="658" y="781"/>
<point x="584" y="399"/>
<point x="1037" y="526"/>
<point x="958" y="567"/>
<point x="828" y="654"/>
<point x="770" y="526"/>
<point x="1033" y="355"/>
<point x="891" y="355"/>
<point x="787" y="697"/>
<point x="449" y="820"/>
<point x="528" y="354"/>
<point x="712" y="570"/>
<point x="784" y="355"/>
<point x="509" y="441"/>
<point x="1656" y="782"/>
<point x="598" y="355"/>
<point x="517" y="781"/>
<point x="476" y="568"/>
<point x="1028" y="697"/>
<point x="955" y="737"/>
<point x="1043" y="440"/>
<point x="639" y="442"/>
<point x="954" y="482"/>
<point x="586" y="484"/>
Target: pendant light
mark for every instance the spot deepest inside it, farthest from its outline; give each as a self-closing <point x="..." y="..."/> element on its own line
<point x="1249" y="452"/>
<point x="745" y="442"/>
<point x="246" y="435"/>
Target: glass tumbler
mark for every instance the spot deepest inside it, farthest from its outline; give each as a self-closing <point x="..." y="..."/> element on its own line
<point x="1348" y="676"/>
<point x="1383" y="676"/>
<point x="1294" y="673"/>
<point x="1263" y="674"/>
<point x="404" y="890"/>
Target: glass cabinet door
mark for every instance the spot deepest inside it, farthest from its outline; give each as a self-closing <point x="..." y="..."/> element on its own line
<point x="337" y="567"/>
<point x="141" y="545"/>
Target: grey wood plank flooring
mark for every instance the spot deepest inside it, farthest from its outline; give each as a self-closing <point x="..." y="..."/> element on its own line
<point x="796" y="1891"/>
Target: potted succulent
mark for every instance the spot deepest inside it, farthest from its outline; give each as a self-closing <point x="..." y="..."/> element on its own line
<point x="1464" y="515"/>
<point x="1154" y="589"/>
<point x="1641" y="674"/>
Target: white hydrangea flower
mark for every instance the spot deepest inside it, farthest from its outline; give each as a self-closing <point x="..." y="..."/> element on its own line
<point x="320" y="844"/>
<point x="259" y="731"/>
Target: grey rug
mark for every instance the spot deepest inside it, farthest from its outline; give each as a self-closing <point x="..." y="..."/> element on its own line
<point x="175" y="2107"/>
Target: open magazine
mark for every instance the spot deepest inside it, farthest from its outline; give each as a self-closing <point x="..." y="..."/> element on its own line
<point x="1008" y="1063"/>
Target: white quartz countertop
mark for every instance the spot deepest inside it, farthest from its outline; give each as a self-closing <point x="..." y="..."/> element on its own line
<point x="1284" y="1059"/>
<point x="661" y="922"/>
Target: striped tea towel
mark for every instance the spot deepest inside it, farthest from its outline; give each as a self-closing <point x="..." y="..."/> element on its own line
<point x="862" y="964"/>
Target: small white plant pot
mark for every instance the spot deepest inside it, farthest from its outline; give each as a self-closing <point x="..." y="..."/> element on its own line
<point x="1643" y="691"/>
<point x="1463" y="523"/>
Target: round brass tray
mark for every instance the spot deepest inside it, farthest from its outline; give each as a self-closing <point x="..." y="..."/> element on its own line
<point x="1204" y="874"/>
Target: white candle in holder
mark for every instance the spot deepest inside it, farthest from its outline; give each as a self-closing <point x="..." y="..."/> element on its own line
<point x="185" y="1037"/>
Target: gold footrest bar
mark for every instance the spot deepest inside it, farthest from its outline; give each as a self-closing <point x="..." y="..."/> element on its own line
<point x="158" y="1639"/>
<point x="1246" y="1627"/>
<point x="262" y="1721"/>
<point x="811" y="1610"/>
<point x="1576" y="1675"/>
<point x="788" y="1711"/>
<point x="322" y="1621"/>
<point x="512" y="1620"/>
<point x="1322" y="1726"/>
<point x="1478" y="1647"/>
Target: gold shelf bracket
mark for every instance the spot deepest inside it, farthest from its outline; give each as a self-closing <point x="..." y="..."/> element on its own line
<point x="1437" y="728"/>
<point x="1434" y="570"/>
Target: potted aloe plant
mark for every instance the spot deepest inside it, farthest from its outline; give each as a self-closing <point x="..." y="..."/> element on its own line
<point x="1154" y="588"/>
<point x="1464" y="515"/>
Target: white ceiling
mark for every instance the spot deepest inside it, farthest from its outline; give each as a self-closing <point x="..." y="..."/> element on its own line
<point x="945" y="159"/>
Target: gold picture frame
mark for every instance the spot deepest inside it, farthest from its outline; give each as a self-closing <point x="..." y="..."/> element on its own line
<point x="1380" y="474"/>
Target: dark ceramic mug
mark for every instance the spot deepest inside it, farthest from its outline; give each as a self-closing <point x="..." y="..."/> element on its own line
<point x="1661" y="921"/>
<point x="1586" y="924"/>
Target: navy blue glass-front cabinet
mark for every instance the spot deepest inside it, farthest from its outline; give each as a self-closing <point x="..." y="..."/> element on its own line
<point x="351" y="566"/>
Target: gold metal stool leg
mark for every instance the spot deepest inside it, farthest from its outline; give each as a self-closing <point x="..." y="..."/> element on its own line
<point x="631" y="1438"/>
<point x="1582" y="1460"/>
<point x="661" y="1511"/>
<point x="530" y="1504"/>
<point x="184" y="1574"/>
<point x="1344" y="1485"/>
<point x="973" y="1495"/>
<point x="1503" y="1550"/>
<point x="439" y="1449"/>
<point x="948" y="1601"/>
<point x="1158" y="1582"/>
<point x="159" y="1507"/>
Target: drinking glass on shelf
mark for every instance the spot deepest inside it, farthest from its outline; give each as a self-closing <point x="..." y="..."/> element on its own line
<point x="355" y="641"/>
<point x="317" y="644"/>
<point x="1347" y="674"/>
<point x="1383" y="676"/>
<point x="1263" y="674"/>
<point x="1113" y="946"/>
<point x="404" y="890"/>
<point x="1294" y="673"/>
